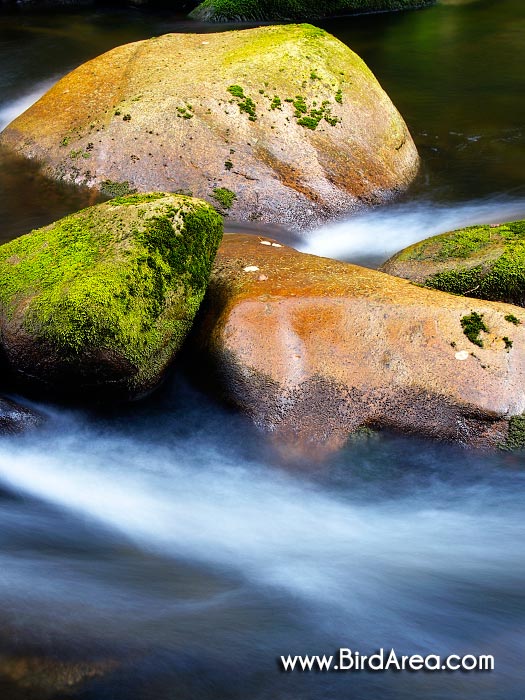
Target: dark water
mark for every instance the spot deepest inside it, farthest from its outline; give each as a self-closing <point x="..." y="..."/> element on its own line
<point x="168" y="540"/>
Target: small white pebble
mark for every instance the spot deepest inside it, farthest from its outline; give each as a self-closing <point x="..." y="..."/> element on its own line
<point x="205" y="42"/>
<point x="262" y="278"/>
<point x="266" y="243"/>
<point x="461" y="355"/>
<point x="251" y="268"/>
<point x="276" y="245"/>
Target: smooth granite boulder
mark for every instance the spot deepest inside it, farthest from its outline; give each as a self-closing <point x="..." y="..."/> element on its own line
<point x="280" y="124"/>
<point x="314" y="349"/>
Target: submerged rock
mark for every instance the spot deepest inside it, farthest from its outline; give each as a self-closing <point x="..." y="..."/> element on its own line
<point x="313" y="349"/>
<point x="485" y="262"/>
<point x="279" y="124"/>
<point x="99" y="302"/>
<point x="32" y="677"/>
<point x="267" y="10"/>
<point x="15" y="418"/>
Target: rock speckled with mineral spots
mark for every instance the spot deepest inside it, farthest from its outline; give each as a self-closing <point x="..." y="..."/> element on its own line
<point x="321" y="348"/>
<point x="277" y="124"/>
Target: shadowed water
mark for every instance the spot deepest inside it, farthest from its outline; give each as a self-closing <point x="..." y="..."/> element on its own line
<point x="167" y="539"/>
<point x="148" y="537"/>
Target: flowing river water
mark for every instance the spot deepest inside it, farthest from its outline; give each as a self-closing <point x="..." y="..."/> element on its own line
<point x="166" y="538"/>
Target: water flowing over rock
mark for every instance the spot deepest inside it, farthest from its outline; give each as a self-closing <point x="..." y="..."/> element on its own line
<point x="279" y="124"/>
<point x="99" y="302"/>
<point x="15" y="418"/>
<point x="313" y="349"/>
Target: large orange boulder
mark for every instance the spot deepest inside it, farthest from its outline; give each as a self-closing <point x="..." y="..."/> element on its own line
<point x="278" y="124"/>
<point x="313" y="349"/>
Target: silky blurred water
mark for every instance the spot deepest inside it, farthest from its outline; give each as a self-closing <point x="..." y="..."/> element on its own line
<point x="167" y="538"/>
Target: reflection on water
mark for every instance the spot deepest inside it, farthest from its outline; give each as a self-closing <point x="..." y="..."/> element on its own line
<point x="455" y="73"/>
<point x="29" y="200"/>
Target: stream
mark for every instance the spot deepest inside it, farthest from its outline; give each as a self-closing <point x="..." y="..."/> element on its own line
<point x="165" y="536"/>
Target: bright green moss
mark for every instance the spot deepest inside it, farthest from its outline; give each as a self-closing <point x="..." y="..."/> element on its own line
<point x="134" y="199"/>
<point x="308" y="122"/>
<point x="245" y="103"/>
<point x="236" y="91"/>
<point x="513" y="319"/>
<point x="127" y="275"/>
<point x="490" y="261"/>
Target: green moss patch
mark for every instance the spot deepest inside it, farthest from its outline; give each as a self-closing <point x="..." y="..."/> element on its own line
<point x="472" y="326"/>
<point x="224" y="196"/>
<point x="485" y="262"/>
<point x="116" y="189"/>
<point x="245" y="103"/>
<point x="516" y="435"/>
<point x="126" y="276"/>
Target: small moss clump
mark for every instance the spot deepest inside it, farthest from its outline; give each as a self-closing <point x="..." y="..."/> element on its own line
<point x="472" y="326"/>
<point x="508" y="342"/>
<point x="513" y="319"/>
<point x="236" y="91"/>
<point x="116" y="189"/>
<point x="516" y="434"/>
<point x="245" y="103"/>
<point x="185" y="112"/>
<point x="224" y="196"/>
<point x="300" y="106"/>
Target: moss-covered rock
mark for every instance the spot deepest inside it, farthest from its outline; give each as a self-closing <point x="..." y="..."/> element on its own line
<point x="280" y="124"/>
<point x="249" y="10"/>
<point x="101" y="300"/>
<point x="484" y="262"/>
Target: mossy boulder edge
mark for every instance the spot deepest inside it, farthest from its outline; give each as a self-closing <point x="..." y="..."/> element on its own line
<point x="279" y="124"/>
<point x="486" y="261"/>
<point x="269" y="10"/>
<point x="99" y="302"/>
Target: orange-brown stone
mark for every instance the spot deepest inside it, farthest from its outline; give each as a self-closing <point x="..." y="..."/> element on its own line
<point x="313" y="349"/>
<point x="287" y="118"/>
